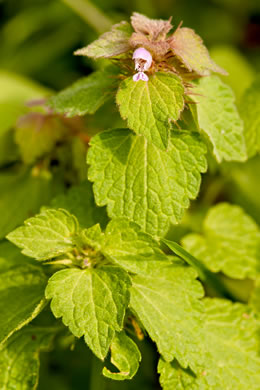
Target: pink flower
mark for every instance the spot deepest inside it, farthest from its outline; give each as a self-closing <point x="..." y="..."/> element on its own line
<point x="140" y="76"/>
<point x="143" y="61"/>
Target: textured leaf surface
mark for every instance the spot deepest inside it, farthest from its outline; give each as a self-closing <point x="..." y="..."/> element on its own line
<point x="46" y="235"/>
<point x="91" y="302"/>
<point x="230" y="242"/>
<point x="125" y="355"/>
<point x="79" y="201"/>
<point x="148" y="185"/>
<point x="19" y="358"/>
<point x="168" y="305"/>
<point x="132" y="249"/>
<point x="110" y="44"/>
<point x="250" y="112"/>
<point x="86" y="95"/>
<point x="21" y="295"/>
<point x="149" y="107"/>
<point x="22" y="194"/>
<point x="188" y="46"/>
<point x="125" y="244"/>
<point x="231" y="347"/>
<point x="154" y="28"/>
<point x="218" y="118"/>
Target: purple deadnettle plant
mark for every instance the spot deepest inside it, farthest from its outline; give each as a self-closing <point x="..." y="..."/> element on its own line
<point x="101" y="257"/>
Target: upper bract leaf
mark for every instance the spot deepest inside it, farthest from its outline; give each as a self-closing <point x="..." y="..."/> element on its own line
<point x="167" y="303"/>
<point x="91" y="302"/>
<point x="137" y="180"/>
<point x="19" y="358"/>
<point x="110" y="44"/>
<point x="86" y="95"/>
<point x="230" y="344"/>
<point x="188" y="46"/>
<point x="250" y="112"/>
<point x="154" y="28"/>
<point x="149" y="107"/>
<point x="46" y="235"/>
<point x="230" y="242"/>
<point x="125" y="355"/>
<point x="218" y="118"/>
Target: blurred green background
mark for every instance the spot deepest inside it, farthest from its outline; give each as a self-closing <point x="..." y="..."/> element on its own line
<point x="38" y="38"/>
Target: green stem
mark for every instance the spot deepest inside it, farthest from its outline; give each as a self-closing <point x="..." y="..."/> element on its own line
<point x="205" y="275"/>
<point x="91" y="14"/>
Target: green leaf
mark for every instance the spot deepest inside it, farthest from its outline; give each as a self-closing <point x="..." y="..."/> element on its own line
<point x="244" y="186"/>
<point x="208" y="277"/>
<point x="21" y="295"/>
<point x="23" y="192"/>
<point x="188" y="46"/>
<point x="91" y="237"/>
<point x="229" y="243"/>
<point x="240" y="70"/>
<point x="79" y="201"/>
<point x="19" y="358"/>
<point x="128" y="246"/>
<point x="37" y="134"/>
<point x="10" y="255"/>
<point x="46" y="235"/>
<point x="168" y="305"/>
<point x="250" y="113"/>
<point x="149" y="107"/>
<point x="218" y="118"/>
<point x="255" y="296"/>
<point x="125" y="355"/>
<point x="150" y="186"/>
<point x="231" y="349"/>
<point x="110" y="44"/>
<point x="91" y="302"/>
<point x="87" y="94"/>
